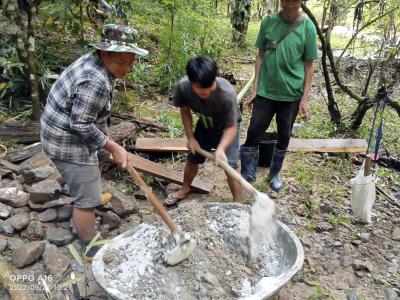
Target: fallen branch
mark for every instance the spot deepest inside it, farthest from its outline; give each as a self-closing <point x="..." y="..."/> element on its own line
<point x="390" y="198"/>
<point x="139" y="121"/>
<point x="246" y="88"/>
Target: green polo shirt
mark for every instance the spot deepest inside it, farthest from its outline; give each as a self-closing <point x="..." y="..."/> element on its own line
<point x="282" y="70"/>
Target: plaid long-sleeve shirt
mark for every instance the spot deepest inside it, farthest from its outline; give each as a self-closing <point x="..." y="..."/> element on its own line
<point x="74" y="121"/>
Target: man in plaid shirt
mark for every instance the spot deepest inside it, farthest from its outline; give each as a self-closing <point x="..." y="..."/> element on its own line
<point x="74" y="130"/>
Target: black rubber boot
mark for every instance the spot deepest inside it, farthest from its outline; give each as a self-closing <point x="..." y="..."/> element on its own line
<point x="248" y="162"/>
<point x="274" y="179"/>
<point x="92" y="251"/>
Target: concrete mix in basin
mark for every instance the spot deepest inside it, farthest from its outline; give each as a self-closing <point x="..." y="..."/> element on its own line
<point x="218" y="268"/>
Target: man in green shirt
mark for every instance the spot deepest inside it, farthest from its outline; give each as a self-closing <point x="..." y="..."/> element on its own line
<point x="284" y="74"/>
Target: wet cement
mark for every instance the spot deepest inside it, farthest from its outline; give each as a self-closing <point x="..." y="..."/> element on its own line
<point x="218" y="268"/>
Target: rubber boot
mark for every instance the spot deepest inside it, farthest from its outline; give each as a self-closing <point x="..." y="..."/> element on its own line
<point x="274" y="179"/>
<point x="92" y="251"/>
<point x="249" y="162"/>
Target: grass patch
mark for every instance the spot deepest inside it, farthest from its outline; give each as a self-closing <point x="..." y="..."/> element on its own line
<point x="302" y="174"/>
<point x="311" y="226"/>
<point x="261" y="186"/>
<point x="319" y="294"/>
<point x="337" y="219"/>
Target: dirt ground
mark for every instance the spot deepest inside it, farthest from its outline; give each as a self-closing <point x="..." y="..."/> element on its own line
<point x="344" y="258"/>
<point x="336" y="266"/>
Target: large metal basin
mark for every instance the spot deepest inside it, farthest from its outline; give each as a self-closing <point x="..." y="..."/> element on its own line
<point x="286" y="263"/>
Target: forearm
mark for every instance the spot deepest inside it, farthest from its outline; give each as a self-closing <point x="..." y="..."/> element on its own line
<point x="110" y="145"/>
<point x="227" y="137"/>
<point x="309" y="74"/>
<point x="259" y="60"/>
<point x="187" y="121"/>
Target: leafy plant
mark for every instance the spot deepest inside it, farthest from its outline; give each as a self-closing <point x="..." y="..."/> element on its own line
<point x="319" y="294"/>
<point x="337" y="219"/>
<point x="78" y="258"/>
<point x="172" y="119"/>
<point x="188" y="31"/>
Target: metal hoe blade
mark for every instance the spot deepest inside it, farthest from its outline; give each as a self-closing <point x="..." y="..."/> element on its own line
<point x="183" y="247"/>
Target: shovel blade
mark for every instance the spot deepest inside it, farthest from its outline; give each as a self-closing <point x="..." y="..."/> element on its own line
<point x="180" y="252"/>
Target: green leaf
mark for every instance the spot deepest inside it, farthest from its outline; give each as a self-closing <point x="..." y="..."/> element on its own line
<point x="101" y="242"/>
<point x="69" y="282"/>
<point x="313" y="282"/>
<point x="92" y="242"/>
<point x="75" y="254"/>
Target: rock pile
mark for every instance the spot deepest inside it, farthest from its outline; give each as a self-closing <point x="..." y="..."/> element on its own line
<point x="36" y="212"/>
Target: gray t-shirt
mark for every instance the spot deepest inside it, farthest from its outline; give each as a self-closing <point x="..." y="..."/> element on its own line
<point x="217" y="112"/>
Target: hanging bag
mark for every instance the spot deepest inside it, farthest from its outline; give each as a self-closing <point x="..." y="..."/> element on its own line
<point x="363" y="193"/>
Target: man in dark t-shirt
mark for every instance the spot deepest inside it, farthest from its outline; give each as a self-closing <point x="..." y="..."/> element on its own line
<point x="213" y="100"/>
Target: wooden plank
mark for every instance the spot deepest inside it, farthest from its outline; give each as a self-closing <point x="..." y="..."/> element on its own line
<point x="149" y="167"/>
<point x="295" y="145"/>
<point x="161" y="144"/>
<point x="10" y="166"/>
<point x="328" y="145"/>
<point x="22" y="153"/>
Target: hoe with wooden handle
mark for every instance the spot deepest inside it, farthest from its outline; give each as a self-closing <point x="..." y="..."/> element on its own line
<point x="183" y="245"/>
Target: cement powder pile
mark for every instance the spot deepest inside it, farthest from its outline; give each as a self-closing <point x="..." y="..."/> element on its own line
<point x="216" y="269"/>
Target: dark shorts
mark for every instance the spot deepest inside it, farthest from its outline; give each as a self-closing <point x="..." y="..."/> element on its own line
<point x="209" y="139"/>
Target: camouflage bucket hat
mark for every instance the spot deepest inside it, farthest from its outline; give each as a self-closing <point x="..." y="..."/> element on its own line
<point x="119" y="38"/>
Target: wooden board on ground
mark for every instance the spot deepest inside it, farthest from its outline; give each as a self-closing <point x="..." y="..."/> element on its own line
<point x="295" y="145"/>
<point x="161" y="145"/>
<point x="22" y="153"/>
<point x="154" y="169"/>
<point x="328" y="145"/>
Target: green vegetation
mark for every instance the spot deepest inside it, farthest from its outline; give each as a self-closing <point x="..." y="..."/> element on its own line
<point x="319" y="294"/>
<point x="337" y="220"/>
<point x="172" y="119"/>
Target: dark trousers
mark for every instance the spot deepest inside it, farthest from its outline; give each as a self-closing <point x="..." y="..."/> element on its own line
<point x="263" y="111"/>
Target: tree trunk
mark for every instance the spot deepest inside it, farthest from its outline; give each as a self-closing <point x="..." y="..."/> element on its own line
<point x="24" y="38"/>
<point x="332" y="104"/>
<point x="325" y="8"/>
<point x="268" y="6"/>
<point x="359" y="113"/>
<point x="277" y="5"/>
<point x="15" y="28"/>
<point x="240" y="21"/>
<point x="20" y="132"/>
<point x="81" y="20"/>
<point x="32" y="62"/>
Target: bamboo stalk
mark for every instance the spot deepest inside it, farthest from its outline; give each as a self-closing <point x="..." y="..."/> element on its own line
<point x="245" y="88"/>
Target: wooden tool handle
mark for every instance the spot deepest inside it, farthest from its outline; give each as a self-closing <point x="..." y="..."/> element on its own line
<point x="231" y="171"/>
<point x="154" y="200"/>
<point x="367" y="166"/>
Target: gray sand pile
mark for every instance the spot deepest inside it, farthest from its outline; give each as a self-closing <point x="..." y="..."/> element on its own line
<point x="218" y="268"/>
